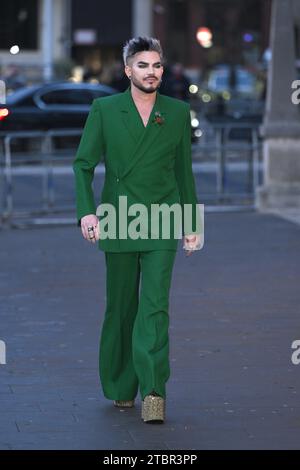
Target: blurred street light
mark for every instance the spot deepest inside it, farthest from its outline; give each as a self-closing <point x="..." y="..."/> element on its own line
<point x="77" y="74"/>
<point x="204" y="37"/>
<point x="248" y="37"/>
<point x="226" y="95"/>
<point x="193" y="88"/>
<point x="206" y="98"/>
<point x="14" y="49"/>
<point x="198" y="132"/>
<point x="195" y="122"/>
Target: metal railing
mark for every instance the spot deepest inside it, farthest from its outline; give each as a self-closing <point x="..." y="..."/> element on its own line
<point x="212" y="153"/>
<point x="217" y="144"/>
<point x="44" y="164"/>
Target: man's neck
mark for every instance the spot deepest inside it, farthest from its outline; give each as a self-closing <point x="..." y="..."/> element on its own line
<point x="142" y="98"/>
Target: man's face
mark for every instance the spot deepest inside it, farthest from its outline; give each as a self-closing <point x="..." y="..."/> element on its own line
<point x="145" y="69"/>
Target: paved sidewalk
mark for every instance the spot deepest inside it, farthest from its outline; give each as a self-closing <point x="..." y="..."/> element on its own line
<point x="234" y="314"/>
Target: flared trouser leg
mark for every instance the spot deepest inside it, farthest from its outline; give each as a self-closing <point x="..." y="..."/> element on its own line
<point x="117" y="374"/>
<point x="134" y="344"/>
<point x="150" y="334"/>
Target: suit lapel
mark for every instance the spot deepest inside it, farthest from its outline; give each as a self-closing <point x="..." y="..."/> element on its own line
<point x="130" y="116"/>
<point x="143" y="136"/>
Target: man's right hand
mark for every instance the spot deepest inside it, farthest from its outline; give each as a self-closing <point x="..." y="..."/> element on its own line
<point x="90" y="220"/>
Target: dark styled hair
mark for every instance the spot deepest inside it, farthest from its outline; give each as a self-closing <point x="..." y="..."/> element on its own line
<point x="140" y="44"/>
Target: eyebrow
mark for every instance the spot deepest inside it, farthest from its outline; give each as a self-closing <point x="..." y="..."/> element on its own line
<point x="147" y="63"/>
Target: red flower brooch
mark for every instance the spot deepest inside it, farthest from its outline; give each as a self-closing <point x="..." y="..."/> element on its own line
<point x="158" y="119"/>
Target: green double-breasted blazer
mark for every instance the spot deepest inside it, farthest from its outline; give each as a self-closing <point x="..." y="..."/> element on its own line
<point x="149" y="165"/>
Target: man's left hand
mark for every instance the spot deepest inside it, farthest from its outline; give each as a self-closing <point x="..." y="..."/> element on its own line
<point x="192" y="243"/>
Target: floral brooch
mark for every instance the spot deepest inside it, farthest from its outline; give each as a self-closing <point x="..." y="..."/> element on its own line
<point x="158" y="119"/>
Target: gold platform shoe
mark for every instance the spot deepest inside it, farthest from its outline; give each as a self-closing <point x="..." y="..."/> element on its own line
<point x="124" y="403"/>
<point x="153" y="409"/>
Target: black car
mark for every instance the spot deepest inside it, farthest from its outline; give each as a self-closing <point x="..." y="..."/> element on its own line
<point x="50" y="106"/>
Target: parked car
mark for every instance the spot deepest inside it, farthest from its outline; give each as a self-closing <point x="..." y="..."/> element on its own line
<point x="50" y="106"/>
<point x="53" y="106"/>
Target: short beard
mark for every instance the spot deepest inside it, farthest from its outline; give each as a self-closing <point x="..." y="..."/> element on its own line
<point x="145" y="90"/>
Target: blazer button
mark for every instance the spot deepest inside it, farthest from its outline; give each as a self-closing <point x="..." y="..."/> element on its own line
<point x="118" y="179"/>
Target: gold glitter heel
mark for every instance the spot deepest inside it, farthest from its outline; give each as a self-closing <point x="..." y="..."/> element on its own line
<point x="124" y="403"/>
<point x="153" y="409"/>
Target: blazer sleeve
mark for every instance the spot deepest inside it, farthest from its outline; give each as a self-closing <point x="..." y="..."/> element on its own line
<point x="89" y="153"/>
<point x="185" y="179"/>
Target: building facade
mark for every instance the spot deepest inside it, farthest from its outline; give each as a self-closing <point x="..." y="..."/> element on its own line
<point x="54" y="35"/>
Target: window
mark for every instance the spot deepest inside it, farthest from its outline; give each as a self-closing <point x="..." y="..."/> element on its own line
<point x="19" y="24"/>
<point x="67" y="97"/>
<point x="99" y="93"/>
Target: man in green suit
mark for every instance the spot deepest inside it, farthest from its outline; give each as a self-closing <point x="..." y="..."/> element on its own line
<point x="144" y="140"/>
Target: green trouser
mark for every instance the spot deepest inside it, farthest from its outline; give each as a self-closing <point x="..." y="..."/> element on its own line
<point x="134" y="343"/>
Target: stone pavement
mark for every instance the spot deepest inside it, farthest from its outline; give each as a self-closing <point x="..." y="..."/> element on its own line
<point x="234" y="313"/>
